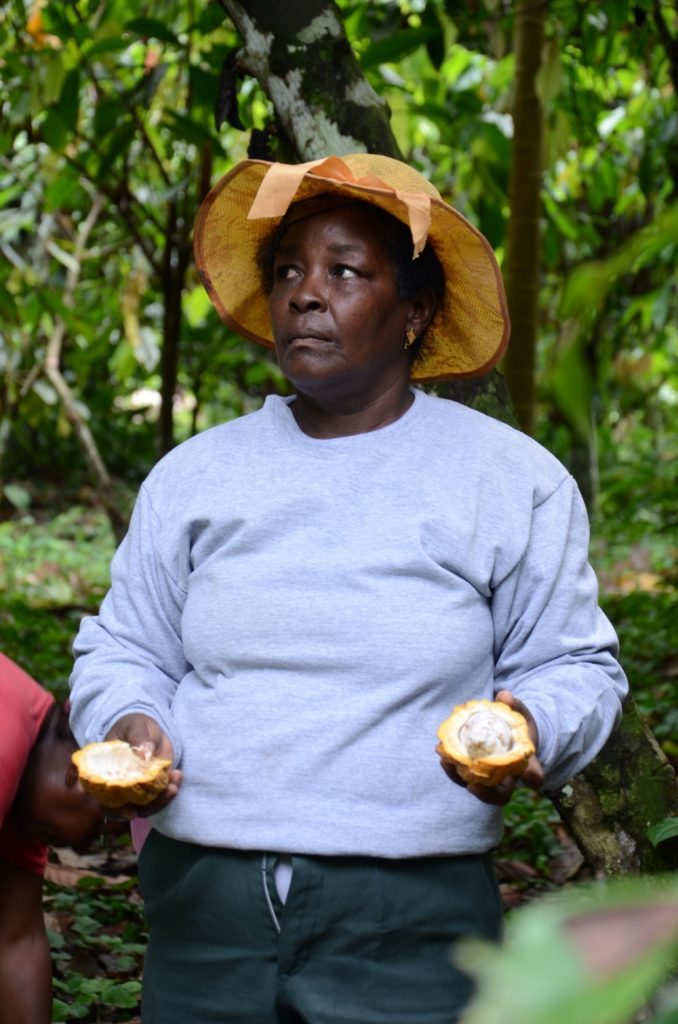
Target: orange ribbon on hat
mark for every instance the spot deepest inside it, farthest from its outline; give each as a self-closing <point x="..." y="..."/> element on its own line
<point x="281" y="181"/>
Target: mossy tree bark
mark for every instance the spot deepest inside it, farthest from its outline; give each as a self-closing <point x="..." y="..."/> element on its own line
<point x="524" y="232"/>
<point x="301" y="56"/>
<point x="609" y="806"/>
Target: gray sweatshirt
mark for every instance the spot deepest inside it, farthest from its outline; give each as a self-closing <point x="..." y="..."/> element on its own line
<point x="299" y="615"/>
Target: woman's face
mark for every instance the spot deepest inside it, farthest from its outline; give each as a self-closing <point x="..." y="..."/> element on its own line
<point x="51" y="805"/>
<point x="338" y="324"/>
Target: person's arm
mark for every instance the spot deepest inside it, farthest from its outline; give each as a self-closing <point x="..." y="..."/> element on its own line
<point x="554" y="648"/>
<point x="130" y="657"/>
<point x="25" y="961"/>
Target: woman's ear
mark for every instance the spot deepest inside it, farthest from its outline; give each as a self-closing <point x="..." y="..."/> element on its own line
<point x="423" y="310"/>
<point x="71" y="776"/>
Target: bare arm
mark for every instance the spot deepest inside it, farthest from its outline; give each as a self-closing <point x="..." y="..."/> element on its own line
<point x="25" y="961"/>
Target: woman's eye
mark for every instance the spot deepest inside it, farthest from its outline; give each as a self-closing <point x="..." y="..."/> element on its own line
<point x="343" y="271"/>
<point x="285" y="272"/>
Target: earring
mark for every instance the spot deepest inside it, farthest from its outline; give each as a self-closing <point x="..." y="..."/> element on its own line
<point x="410" y="337"/>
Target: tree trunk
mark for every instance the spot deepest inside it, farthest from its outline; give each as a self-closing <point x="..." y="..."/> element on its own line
<point x="608" y="807"/>
<point x="488" y="394"/>
<point x="524" y="234"/>
<point x="175" y="262"/>
<point x="303" y="60"/>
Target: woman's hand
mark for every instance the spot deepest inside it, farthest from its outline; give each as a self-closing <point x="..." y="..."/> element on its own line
<point x="147" y="740"/>
<point x="533" y="776"/>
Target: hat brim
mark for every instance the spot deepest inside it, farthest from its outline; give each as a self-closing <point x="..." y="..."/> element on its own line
<point x="470" y="329"/>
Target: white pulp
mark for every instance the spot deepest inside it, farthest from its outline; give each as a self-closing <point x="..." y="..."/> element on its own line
<point x="119" y="762"/>
<point x="484" y="733"/>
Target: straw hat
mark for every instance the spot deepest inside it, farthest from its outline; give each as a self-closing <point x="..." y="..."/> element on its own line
<point x="470" y="329"/>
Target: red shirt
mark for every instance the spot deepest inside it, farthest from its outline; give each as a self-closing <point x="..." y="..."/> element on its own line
<point x="23" y="706"/>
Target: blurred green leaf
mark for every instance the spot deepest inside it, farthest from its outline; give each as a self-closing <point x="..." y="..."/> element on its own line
<point x="550" y="75"/>
<point x="19" y="496"/>
<point x="542" y="974"/>
<point x="398" y="45"/>
<point x="8" y="307"/>
<point x="663" y="830"/>
<point x="151" y="28"/>
<point x="69" y="101"/>
<point x="572" y="384"/>
<point x="54" y="130"/>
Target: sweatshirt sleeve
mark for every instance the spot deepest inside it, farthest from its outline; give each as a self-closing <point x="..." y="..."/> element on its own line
<point x="129" y="657"/>
<point x="554" y="647"/>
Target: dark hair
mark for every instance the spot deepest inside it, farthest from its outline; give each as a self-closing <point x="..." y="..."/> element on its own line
<point x="412" y="276"/>
<point x="56" y="723"/>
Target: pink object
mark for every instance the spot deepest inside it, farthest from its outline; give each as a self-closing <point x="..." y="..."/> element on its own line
<point x="139" y="827"/>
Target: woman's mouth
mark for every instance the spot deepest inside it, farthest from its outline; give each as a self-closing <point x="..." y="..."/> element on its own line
<point x="308" y="340"/>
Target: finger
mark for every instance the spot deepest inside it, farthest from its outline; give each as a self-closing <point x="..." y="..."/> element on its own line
<point x="533" y="776"/>
<point x="165" y="797"/>
<point x="158" y="805"/>
<point x="143" y="749"/>
<point x="452" y="772"/>
<point x="494" y="795"/>
<point x="506" y="697"/>
<point x="498" y="795"/>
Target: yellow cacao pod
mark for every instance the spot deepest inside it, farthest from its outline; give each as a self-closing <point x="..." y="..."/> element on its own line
<point x="115" y="775"/>
<point x="486" y="740"/>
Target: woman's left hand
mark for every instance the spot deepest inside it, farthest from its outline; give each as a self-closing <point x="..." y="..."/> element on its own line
<point x="533" y="776"/>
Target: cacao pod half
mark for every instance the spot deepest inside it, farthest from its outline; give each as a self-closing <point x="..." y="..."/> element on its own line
<point x="486" y="741"/>
<point x="115" y="775"/>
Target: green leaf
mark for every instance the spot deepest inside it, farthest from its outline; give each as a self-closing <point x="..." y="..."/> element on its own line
<point x="69" y="101"/>
<point x="57" y="308"/>
<point x="189" y="130"/>
<point x="8" y="307"/>
<point x="617" y="14"/>
<point x="542" y="975"/>
<point x="118" y="142"/>
<point x="151" y="28"/>
<point x="435" y="44"/>
<point x="397" y="45"/>
<point x="64" y="191"/>
<point x="550" y="75"/>
<point x="124" y="996"/>
<point x="202" y="86"/>
<point x="107" y="114"/>
<point x="114" y="44"/>
<point x="663" y="830"/>
<point x="18" y="496"/>
<point x="54" y="78"/>
<point x="54" y="130"/>
<point x="573" y="387"/>
<point x="123" y="361"/>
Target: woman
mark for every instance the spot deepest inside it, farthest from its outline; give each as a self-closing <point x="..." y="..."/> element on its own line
<point x="305" y="593"/>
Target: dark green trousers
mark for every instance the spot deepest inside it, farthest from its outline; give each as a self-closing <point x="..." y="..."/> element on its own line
<point x="358" y="939"/>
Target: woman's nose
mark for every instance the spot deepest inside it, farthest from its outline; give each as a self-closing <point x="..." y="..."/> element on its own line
<point x="308" y="294"/>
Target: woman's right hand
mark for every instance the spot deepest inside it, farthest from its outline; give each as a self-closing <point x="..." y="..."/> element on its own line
<point x="147" y="739"/>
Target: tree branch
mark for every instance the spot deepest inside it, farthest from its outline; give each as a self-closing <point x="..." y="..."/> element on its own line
<point x="55" y="376"/>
